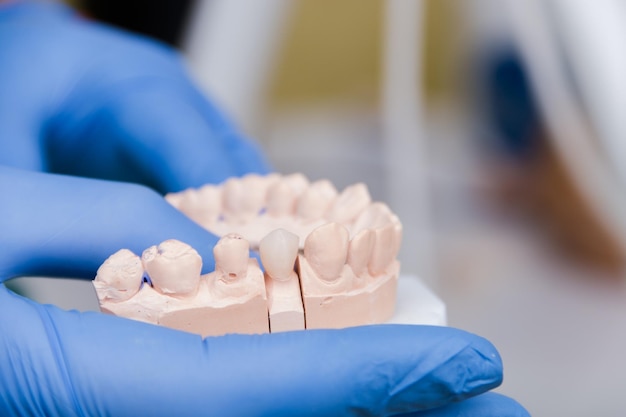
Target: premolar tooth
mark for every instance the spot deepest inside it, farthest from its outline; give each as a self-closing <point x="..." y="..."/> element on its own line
<point x="279" y="250"/>
<point x="281" y="199"/>
<point x="202" y="206"/>
<point x="350" y="203"/>
<point x="232" y="253"/>
<point x="210" y="197"/>
<point x="298" y="182"/>
<point x="384" y="249"/>
<point x="397" y="237"/>
<point x="326" y="250"/>
<point x="254" y="194"/>
<point x="375" y="215"/>
<point x="119" y="277"/>
<point x="244" y="197"/>
<point x="233" y="196"/>
<point x="174" y="268"/>
<point x="360" y="251"/>
<point x="315" y="201"/>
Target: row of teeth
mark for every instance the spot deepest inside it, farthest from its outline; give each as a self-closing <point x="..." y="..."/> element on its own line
<point x="241" y="200"/>
<point x="174" y="268"/>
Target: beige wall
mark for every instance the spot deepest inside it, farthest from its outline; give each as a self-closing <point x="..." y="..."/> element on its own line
<point x="333" y="48"/>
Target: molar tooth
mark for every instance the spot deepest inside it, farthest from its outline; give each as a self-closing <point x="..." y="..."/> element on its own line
<point x="281" y="199"/>
<point x="279" y="250"/>
<point x="174" y="268"/>
<point x="360" y="251"/>
<point x="350" y="203"/>
<point x="315" y="200"/>
<point x="326" y="250"/>
<point x="186" y="201"/>
<point x="119" y="277"/>
<point x="232" y="253"/>
<point x="384" y="248"/>
<point x="175" y="198"/>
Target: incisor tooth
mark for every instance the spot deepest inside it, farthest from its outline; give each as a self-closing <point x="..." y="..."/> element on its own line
<point x="279" y="250"/>
<point x="281" y="199"/>
<point x="119" y="277"/>
<point x="350" y="203"/>
<point x="174" y="268"/>
<point x="232" y="253"/>
<point x="315" y="200"/>
<point x="360" y="251"/>
<point x="326" y="250"/>
<point x="384" y="247"/>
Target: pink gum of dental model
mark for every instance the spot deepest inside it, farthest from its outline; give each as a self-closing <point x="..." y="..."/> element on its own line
<point x="330" y="261"/>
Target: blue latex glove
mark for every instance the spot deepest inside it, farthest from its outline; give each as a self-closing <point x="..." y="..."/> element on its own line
<point x="85" y="100"/>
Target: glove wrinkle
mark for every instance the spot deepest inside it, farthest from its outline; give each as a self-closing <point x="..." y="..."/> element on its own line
<point x="454" y="370"/>
<point x="33" y="373"/>
<point x="490" y="404"/>
<point x="54" y="341"/>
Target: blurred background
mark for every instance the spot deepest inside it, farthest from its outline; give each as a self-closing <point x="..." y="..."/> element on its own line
<point x="493" y="128"/>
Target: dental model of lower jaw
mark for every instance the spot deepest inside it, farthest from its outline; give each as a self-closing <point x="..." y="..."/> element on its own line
<point x="229" y="300"/>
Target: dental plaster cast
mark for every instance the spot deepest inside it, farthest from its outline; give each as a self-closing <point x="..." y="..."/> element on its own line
<point x="330" y="261"/>
<point x="254" y="205"/>
<point x="349" y="282"/>
<point x="229" y="300"/>
<point x="279" y="251"/>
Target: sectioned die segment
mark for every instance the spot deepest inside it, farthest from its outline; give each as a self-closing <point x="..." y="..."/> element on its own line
<point x="279" y="251"/>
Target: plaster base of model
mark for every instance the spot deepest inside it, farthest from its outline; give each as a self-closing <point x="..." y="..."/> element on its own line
<point x="372" y="304"/>
<point x="210" y="305"/>
<point x="201" y="315"/>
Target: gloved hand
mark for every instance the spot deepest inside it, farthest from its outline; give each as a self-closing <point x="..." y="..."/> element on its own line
<point x="104" y="107"/>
